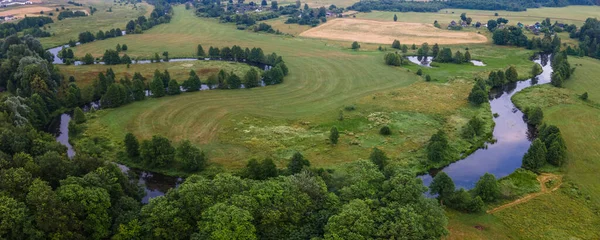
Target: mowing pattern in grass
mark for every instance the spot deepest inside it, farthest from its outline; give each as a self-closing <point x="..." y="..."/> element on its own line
<point x="296" y="115"/>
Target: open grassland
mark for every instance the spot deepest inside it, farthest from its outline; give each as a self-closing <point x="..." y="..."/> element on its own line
<point x="275" y="121"/>
<point x="85" y="75"/>
<point x="293" y="29"/>
<point x="69" y="28"/>
<point x="571" y="15"/>
<point x="371" y="31"/>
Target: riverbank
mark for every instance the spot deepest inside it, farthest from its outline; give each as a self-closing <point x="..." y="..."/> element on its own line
<point x="511" y="133"/>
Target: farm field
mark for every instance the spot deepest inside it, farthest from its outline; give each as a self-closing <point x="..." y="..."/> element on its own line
<point x="296" y="115"/>
<point x="371" y="31"/>
<point x="570" y="14"/>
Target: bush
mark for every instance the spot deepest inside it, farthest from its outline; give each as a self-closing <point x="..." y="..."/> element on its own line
<point x="428" y="78"/>
<point x="385" y="130"/>
<point x="420" y="72"/>
<point x="584" y="96"/>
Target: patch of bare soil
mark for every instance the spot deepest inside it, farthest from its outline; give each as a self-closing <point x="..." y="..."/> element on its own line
<point x="543" y="178"/>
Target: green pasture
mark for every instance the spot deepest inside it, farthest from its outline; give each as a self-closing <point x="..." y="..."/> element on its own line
<point x="570" y="14"/>
<point x="69" y="28"/>
<point x="325" y="77"/>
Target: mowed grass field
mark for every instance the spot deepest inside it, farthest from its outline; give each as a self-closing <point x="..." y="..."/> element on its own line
<point x="69" y="28"/>
<point x="571" y="15"/>
<point x="385" y="32"/>
<point x="325" y="77"/>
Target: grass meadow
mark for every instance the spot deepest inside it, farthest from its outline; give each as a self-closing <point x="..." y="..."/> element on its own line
<point x="571" y="15"/>
<point x="325" y="77"/>
<point x="331" y="85"/>
<point x="69" y="28"/>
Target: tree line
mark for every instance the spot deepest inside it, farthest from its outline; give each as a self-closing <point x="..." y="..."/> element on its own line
<point x="435" y="6"/>
<point x="161" y="14"/>
<point x="71" y="14"/>
<point x="7" y="29"/>
<point x="589" y="37"/>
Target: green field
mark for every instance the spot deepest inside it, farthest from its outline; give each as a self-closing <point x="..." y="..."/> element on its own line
<point x="325" y="76"/>
<point x="571" y="15"/>
<point x="327" y="80"/>
<point x="69" y="28"/>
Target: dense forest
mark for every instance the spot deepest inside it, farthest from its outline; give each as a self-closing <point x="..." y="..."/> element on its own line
<point x="589" y="37"/>
<point x="7" y="29"/>
<point x="434" y="6"/>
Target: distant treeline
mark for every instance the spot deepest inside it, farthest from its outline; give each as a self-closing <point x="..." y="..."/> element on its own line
<point x="87" y="36"/>
<point x="434" y="6"/>
<point x="161" y="14"/>
<point x="589" y="37"/>
<point x="71" y="14"/>
<point x="7" y="29"/>
<point x="75" y="3"/>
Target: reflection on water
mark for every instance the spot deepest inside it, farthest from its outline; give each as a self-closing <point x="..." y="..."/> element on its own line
<point x="478" y="63"/>
<point x="60" y="128"/>
<point x="512" y="133"/>
<point x="155" y="184"/>
<point x="419" y="60"/>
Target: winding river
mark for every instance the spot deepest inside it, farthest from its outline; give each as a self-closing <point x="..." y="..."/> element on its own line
<point x="512" y="133"/>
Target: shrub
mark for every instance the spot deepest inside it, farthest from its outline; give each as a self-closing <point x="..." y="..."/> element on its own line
<point x="385" y="130"/>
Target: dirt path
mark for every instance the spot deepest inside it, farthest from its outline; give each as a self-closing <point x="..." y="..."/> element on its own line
<point x="542" y="179"/>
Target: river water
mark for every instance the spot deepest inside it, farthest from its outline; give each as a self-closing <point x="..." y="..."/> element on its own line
<point x="155" y="184"/>
<point x="512" y="133"/>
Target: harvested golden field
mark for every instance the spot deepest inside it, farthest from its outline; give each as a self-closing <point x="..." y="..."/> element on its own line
<point x="371" y="31"/>
<point x="21" y="11"/>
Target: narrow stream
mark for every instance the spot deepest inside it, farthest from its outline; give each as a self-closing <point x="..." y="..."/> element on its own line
<point x="512" y="133"/>
<point x="155" y="184"/>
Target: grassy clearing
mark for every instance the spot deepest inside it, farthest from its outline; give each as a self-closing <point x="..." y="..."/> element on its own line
<point x="371" y="31"/>
<point x="86" y="75"/>
<point x="571" y="15"/>
<point x="279" y="24"/>
<point x="69" y="29"/>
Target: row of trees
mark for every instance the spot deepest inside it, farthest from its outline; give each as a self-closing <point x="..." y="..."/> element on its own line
<point x="499" y="78"/>
<point x="11" y="28"/>
<point x="158" y="152"/>
<point x="445" y="56"/>
<point x="238" y="54"/>
<point x="435" y="6"/>
<point x="71" y="14"/>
